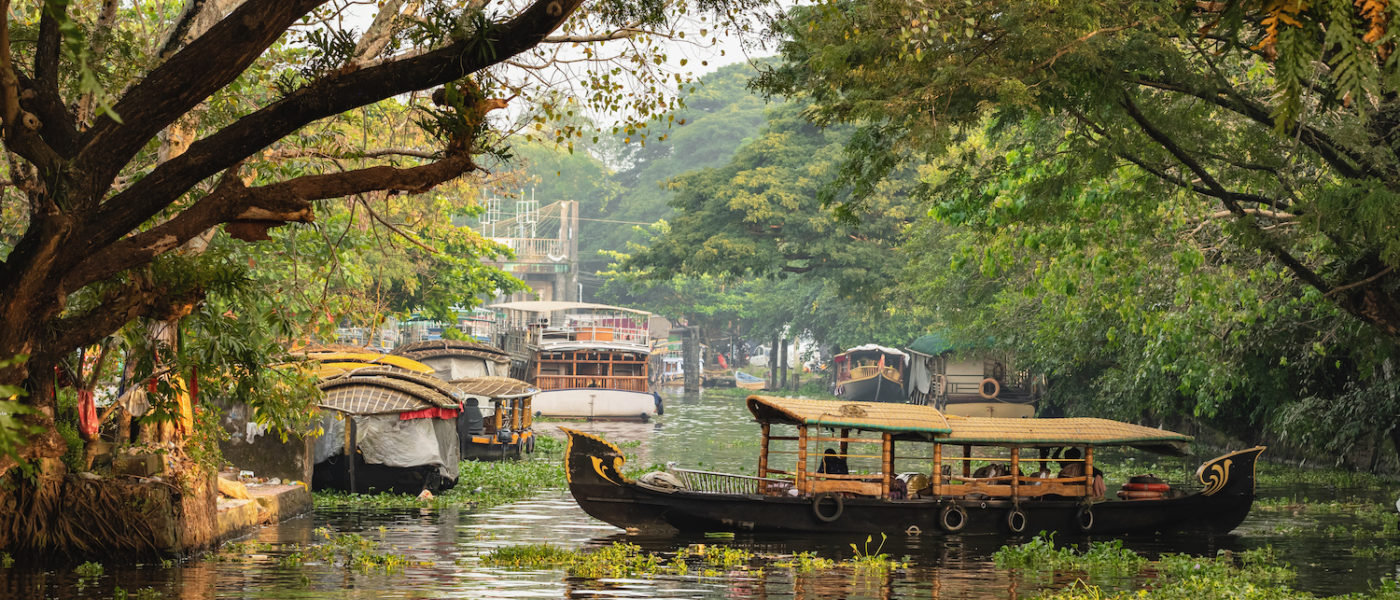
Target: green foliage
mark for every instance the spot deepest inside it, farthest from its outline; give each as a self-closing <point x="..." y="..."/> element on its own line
<point x="13" y="431"/>
<point x="89" y="569"/>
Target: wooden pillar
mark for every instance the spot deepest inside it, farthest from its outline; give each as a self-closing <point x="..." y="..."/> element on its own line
<point x="763" y="452"/>
<point x="802" y="459"/>
<point x="773" y="363"/>
<point x="350" y="446"/>
<point x="886" y="463"/>
<point x="937" y="470"/>
<point x="690" y="358"/>
<point x="845" y="446"/>
<point x="1015" y="472"/>
<point x="1089" y="471"/>
<point x="967" y="464"/>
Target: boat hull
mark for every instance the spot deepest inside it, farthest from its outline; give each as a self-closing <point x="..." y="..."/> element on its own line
<point x="594" y="469"/>
<point x="596" y="403"/>
<point x="877" y="388"/>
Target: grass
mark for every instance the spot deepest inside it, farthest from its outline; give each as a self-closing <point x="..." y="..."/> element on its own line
<point x="479" y="484"/>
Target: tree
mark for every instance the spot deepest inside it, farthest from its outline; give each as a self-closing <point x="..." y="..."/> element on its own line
<point x="1218" y="100"/>
<point x="99" y="220"/>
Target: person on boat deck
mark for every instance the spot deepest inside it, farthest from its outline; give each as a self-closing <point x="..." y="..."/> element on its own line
<point x="1073" y="467"/>
<point x="833" y="464"/>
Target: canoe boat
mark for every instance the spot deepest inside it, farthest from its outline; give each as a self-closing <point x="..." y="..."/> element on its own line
<point x="748" y="382"/>
<point x="940" y="495"/>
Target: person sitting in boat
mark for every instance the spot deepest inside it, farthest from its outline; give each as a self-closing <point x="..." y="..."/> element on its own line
<point x="833" y="464"/>
<point x="1074" y="467"/>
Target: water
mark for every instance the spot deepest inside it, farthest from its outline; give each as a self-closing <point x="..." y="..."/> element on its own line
<point x="707" y="432"/>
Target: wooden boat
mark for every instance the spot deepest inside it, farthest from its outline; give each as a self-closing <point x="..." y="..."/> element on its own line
<point x="970" y="381"/>
<point x="748" y="382"/>
<point x="954" y="500"/>
<point x="496" y="421"/>
<point x="871" y="373"/>
<point x="457" y="359"/>
<point x="588" y="360"/>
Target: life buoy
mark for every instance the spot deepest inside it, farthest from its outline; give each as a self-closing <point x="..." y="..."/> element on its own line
<point x="820" y="499"/>
<point x="1139" y="495"/>
<point x="953" y="518"/>
<point x="1016" y="520"/>
<point x="1085" y="518"/>
<point x="982" y="388"/>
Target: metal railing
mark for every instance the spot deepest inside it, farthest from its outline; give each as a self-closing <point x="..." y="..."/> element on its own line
<point x="727" y="483"/>
<point x="636" y="383"/>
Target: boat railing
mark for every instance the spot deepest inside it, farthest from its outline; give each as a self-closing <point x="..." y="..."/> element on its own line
<point x="631" y="383"/>
<point x="728" y="483"/>
<point x="866" y="371"/>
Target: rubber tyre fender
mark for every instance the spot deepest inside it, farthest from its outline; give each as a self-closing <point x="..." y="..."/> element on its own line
<point x="819" y="499"/>
<point x="1016" y="520"/>
<point x="530" y="444"/>
<point x="1084" y="518"/>
<point x="953" y="518"/>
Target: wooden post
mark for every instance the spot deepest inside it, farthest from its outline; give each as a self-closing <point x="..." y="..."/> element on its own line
<point x="845" y="446"/>
<point x="937" y="470"/>
<point x="350" y="446"/>
<point x="802" y="459"/>
<point x="1015" y="472"/>
<point x="1089" y="471"/>
<point x="886" y="463"/>
<point x="967" y="464"/>
<point x="763" y="453"/>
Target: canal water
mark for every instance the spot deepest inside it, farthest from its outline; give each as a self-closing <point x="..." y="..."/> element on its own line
<point x="443" y="546"/>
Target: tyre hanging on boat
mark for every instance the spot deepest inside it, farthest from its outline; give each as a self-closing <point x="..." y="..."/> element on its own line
<point x="837" y="502"/>
<point x="1016" y="520"/>
<point x="1085" y="518"/>
<point x="953" y="518"/>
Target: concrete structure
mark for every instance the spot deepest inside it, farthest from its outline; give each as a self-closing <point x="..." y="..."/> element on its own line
<point x="545" y="242"/>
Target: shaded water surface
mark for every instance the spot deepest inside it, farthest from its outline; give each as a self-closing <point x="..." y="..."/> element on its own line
<point x="444" y="546"/>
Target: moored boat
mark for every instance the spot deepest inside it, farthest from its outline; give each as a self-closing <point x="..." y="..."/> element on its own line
<point x="588" y="360"/>
<point x="942" y="493"/>
<point x="871" y="373"/>
<point x="496" y="421"/>
<point x="748" y="382"/>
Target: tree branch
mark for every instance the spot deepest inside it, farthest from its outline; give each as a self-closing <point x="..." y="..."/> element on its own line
<point x="1269" y="243"/>
<point x="331" y="95"/>
<point x="250" y="212"/>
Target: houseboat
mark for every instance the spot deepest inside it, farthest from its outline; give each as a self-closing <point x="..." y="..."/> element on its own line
<point x="970" y="382"/>
<point x="871" y="373"/>
<point x="589" y="361"/>
<point x="912" y="469"/>
<point x="496" y="421"/>
<point x="457" y="359"/>
<point x="386" y="429"/>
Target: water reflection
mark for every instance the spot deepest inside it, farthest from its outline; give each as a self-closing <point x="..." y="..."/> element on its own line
<point x="711" y="432"/>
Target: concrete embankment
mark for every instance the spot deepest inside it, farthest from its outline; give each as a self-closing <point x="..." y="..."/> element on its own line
<point x="268" y="504"/>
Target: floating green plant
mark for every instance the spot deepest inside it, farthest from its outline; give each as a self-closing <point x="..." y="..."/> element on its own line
<point x="89" y="569"/>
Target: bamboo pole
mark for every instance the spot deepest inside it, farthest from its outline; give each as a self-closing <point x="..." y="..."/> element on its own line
<point x="763" y="452"/>
<point x="802" y="458"/>
<point x="1015" y="472"/>
<point x="937" y="470"/>
<point x="1089" y="471"/>
<point x="886" y="464"/>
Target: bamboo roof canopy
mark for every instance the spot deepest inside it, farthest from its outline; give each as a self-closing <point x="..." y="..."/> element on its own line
<point x="365" y="356"/>
<point x="870" y="416"/>
<point x="494" y="387"/>
<point x="928" y="423"/>
<point x="451" y="348"/>
<point x="380" y="395"/>
<point x="1061" y="432"/>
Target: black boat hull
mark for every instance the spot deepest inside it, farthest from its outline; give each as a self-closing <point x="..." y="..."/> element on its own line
<point x="877" y="388"/>
<point x="594" y="469"/>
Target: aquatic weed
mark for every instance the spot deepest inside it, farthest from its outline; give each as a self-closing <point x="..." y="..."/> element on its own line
<point x="806" y="562"/>
<point x="6" y="561"/>
<point x="1039" y="554"/>
<point x="479" y="484"/>
<point x="89" y="570"/>
<point x="529" y="556"/>
<point x="145" y="593"/>
<point x="877" y="561"/>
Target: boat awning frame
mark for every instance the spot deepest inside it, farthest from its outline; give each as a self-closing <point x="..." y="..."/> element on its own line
<point x="888" y="417"/>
